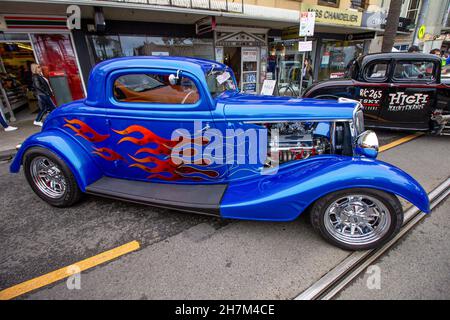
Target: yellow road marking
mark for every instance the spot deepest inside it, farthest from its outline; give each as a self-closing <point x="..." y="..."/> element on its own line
<point x="400" y="141"/>
<point x="65" y="272"/>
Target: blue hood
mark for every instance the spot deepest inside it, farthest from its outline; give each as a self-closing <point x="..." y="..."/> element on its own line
<point x="253" y="108"/>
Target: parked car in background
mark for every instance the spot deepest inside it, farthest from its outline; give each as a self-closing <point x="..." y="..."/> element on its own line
<point x="136" y="137"/>
<point x="403" y="91"/>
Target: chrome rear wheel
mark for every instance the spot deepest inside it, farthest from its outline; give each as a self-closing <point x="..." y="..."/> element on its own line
<point x="48" y="177"/>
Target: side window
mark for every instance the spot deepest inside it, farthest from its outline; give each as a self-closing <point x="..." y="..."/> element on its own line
<point x="414" y="71"/>
<point x="155" y="88"/>
<point x="377" y="71"/>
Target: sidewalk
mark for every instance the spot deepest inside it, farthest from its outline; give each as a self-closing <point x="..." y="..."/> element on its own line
<point x="9" y="140"/>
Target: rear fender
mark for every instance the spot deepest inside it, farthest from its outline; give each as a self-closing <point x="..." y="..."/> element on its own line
<point x="284" y="196"/>
<point x="68" y="149"/>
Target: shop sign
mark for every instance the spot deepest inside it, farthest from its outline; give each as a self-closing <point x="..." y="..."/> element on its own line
<point x="328" y="15"/>
<point x="205" y="25"/>
<point x="377" y="20"/>
<point x="307" y="21"/>
<point x="268" y="87"/>
<point x="33" y="22"/>
<point x="240" y="39"/>
<point x="249" y="55"/>
<point x="305" y="46"/>
<point x="360" y="36"/>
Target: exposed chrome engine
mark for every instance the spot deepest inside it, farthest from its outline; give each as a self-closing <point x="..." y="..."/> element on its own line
<point x="291" y="141"/>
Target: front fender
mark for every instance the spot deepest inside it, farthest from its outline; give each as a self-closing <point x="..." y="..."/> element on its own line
<point x="283" y="196"/>
<point x="67" y="148"/>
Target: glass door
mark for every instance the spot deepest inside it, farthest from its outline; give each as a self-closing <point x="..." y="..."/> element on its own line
<point x="249" y="70"/>
<point x="56" y="56"/>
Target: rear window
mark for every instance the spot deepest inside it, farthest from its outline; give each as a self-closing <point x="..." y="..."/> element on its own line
<point x="155" y="88"/>
<point x="377" y="71"/>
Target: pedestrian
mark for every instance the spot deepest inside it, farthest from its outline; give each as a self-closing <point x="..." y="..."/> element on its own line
<point x="5" y="125"/>
<point x="43" y="92"/>
<point x="436" y="52"/>
<point x="3" y="122"/>
<point x="308" y="73"/>
<point x="414" y="49"/>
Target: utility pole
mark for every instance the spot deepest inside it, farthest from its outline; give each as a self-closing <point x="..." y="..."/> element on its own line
<point x="421" y="20"/>
<point x="390" y="32"/>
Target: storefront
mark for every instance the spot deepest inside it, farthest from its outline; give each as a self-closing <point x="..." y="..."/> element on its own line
<point x="245" y="51"/>
<point x="337" y="42"/>
<point x="138" y="38"/>
<point x="37" y="39"/>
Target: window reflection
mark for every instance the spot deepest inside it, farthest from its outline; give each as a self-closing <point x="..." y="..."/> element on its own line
<point x="107" y="47"/>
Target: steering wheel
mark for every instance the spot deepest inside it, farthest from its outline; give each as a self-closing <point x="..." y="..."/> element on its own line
<point x="187" y="96"/>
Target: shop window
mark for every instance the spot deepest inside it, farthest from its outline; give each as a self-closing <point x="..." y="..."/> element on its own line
<point x="55" y="54"/>
<point x="155" y="88"/>
<point x="337" y="58"/>
<point x="413" y="10"/>
<point x="359" y="4"/>
<point x="330" y="3"/>
<point x="166" y="46"/>
<point x="112" y="46"/>
<point x="104" y="47"/>
<point x="414" y="71"/>
<point x="377" y="72"/>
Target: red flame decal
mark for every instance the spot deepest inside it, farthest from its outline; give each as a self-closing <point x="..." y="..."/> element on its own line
<point x="108" y="154"/>
<point x="85" y="131"/>
<point x="148" y="136"/>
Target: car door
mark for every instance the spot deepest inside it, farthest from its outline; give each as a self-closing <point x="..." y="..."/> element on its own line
<point x="153" y="115"/>
<point x="372" y="89"/>
<point x="411" y="94"/>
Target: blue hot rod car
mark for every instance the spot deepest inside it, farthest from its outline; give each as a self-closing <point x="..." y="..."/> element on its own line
<point x="176" y="133"/>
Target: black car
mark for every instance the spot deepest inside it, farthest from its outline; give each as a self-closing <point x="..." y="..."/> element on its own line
<point x="398" y="90"/>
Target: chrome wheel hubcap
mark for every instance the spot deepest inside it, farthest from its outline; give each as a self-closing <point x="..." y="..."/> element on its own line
<point x="357" y="219"/>
<point x="47" y="176"/>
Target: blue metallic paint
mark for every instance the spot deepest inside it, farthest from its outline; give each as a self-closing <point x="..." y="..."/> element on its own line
<point x="279" y="197"/>
<point x="283" y="196"/>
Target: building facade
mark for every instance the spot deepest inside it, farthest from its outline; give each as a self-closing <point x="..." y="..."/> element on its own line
<point x="257" y="38"/>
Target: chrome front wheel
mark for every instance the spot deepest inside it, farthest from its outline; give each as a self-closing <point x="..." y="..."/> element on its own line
<point x="357" y="219"/>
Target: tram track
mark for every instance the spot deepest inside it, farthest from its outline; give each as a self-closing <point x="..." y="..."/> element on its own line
<point x="351" y="267"/>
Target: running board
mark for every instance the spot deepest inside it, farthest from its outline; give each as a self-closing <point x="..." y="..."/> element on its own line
<point x="197" y="198"/>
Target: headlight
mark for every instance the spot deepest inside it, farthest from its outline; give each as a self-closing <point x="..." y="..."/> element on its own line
<point x="367" y="144"/>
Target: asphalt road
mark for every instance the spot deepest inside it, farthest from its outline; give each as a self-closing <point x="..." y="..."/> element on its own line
<point x="417" y="268"/>
<point x="182" y="255"/>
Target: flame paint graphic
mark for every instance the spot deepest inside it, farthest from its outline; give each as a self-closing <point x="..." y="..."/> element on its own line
<point x="85" y="131"/>
<point x="149" y="136"/>
<point x="165" y="168"/>
<point x="108" y="154"/>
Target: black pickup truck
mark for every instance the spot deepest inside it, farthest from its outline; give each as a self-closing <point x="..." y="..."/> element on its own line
<point x="398" y="90"/>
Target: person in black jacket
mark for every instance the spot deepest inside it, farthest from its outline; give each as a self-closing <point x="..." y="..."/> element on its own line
<point x="43" y="92"/>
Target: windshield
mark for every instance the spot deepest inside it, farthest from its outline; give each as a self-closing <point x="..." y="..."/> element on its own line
<point x="446" y="71"/>
<point x="219" y="81"/>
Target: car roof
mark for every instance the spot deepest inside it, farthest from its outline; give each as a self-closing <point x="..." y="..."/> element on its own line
<point x="151" y="61"/>
<point x="398" y="56"/>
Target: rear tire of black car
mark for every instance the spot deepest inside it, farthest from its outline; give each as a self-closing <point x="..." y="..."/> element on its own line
<point x="50" y="177"/>
<point x="357" y="219"/>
